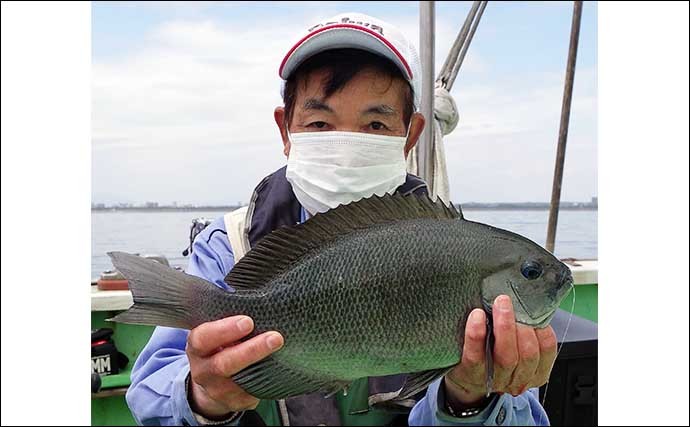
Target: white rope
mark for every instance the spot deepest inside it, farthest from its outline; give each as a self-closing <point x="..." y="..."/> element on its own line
<point x="446" y="115"/>
<point x="446" y="118"/>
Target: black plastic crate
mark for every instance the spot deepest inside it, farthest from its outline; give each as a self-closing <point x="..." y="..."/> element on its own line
<point x="571" y="399"/>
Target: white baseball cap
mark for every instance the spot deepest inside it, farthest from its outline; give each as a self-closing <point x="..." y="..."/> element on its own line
<point x="358" y="31"/>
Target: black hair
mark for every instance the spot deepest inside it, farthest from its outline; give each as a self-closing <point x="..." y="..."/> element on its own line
<point x="343" y="65"/>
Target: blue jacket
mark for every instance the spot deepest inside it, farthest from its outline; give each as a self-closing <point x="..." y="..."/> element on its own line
<point x="158" y="393"/>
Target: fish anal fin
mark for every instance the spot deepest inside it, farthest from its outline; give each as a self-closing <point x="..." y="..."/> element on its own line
<point x="271" y="379"/>
<point x="418" y="381"/>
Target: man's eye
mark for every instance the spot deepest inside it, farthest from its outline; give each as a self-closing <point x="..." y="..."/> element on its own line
<point x="318" y="125"/>
<point x="378" y="126"/>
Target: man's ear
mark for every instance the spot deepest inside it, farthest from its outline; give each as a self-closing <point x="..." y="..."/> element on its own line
<point x="279" y="116"/>
<point x="416" y="128"/>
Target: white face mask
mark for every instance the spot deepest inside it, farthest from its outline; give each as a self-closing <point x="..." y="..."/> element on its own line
<point x="327" y="169"/>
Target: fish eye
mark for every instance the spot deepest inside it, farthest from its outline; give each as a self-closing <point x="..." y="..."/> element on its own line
<point x="531" y="270"/>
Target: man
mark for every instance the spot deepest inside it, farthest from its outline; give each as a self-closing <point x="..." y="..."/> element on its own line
<point x="350" y="117"/>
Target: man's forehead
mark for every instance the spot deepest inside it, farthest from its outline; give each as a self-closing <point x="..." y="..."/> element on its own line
<point x="368" y="83"/>
<point x="366" y="108"/>
<point x="320" y="76"/>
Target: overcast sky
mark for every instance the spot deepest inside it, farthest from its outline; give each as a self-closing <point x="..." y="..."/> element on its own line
<point x="183" y="97"/>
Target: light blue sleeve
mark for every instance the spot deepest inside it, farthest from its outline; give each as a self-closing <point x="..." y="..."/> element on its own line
<point x="505" y="410"/>
<point x="158" y="394"/>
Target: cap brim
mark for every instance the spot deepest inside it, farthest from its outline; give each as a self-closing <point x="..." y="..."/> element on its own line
<point x="342" y="36"/>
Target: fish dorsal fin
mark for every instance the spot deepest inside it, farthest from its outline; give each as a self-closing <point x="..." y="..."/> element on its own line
<point x="279" y="249"/>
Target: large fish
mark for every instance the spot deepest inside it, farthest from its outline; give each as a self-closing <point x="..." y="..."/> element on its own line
<point x="377" y="287"/>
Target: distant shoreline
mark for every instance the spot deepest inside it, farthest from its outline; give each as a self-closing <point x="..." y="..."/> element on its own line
<point x="465" y="207"/>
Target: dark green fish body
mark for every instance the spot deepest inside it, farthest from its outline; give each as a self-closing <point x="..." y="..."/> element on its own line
<point x="378" y="287"/>
<point x="372" y="303"/>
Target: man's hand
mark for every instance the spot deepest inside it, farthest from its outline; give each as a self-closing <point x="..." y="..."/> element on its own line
<point x="215" y="355"/>
<point x="523" y="357"/>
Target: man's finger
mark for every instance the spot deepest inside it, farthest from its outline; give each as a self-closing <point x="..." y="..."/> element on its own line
<point x="206" y="338"/>
<point x="233" y="359"/>
<point x="528" y="348"/>
<point x="506" y="354"/>
<point x="547" y="347"/>
<point x="219" y="393"/>
<point x="216" y="387"/>
<point x="473" y="353"/>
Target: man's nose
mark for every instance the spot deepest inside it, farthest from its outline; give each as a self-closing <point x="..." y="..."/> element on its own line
<point x="348" y="128"/>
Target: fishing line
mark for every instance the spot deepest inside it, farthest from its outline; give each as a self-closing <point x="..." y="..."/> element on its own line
<point x="488" y="351"/>
<point x="565" y="333"/>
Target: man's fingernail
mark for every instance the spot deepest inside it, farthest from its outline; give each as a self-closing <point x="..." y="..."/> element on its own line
<point x="245" y="324"/>
<point x="503" y="303"/>
<point x="274" y="341"/>
<point x="476" y="318"/>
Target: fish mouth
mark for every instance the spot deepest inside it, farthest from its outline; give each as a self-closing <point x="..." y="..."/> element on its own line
<point x="522" y="303"/>
<point x="538" y="322"/>
<point x="537" y="317"/>
<point x="543" y="319"/>
<point x="567" y="284"/>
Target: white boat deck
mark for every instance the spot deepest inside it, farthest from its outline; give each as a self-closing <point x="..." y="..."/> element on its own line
<point x="110" y="300"/>
<point x="585" y="272"/>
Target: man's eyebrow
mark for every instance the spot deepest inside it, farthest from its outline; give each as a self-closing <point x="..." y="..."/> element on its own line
<point x="316" y="104"/>
<point x="383" y="109"/>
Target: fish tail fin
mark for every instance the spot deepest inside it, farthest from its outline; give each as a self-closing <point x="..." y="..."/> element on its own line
<point x="163" y="296"/>
<point x="154" y="315"/>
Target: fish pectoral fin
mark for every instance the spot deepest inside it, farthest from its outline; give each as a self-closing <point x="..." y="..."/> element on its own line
<point x="270" y="379"/>
<point x="418" y="381"/>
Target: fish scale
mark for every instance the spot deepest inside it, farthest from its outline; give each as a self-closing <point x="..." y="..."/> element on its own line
<point x="373" y="312"/>
<point x="378" y="287"/>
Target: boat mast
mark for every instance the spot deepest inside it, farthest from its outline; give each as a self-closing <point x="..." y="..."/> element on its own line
<point x="563" y="131"/>
<point x="425" y="147"/>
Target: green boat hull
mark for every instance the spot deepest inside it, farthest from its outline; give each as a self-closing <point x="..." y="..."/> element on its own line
<point x="108" y="407"/>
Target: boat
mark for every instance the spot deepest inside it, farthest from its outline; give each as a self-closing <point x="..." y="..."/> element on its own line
<point x="569" y="398"/>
